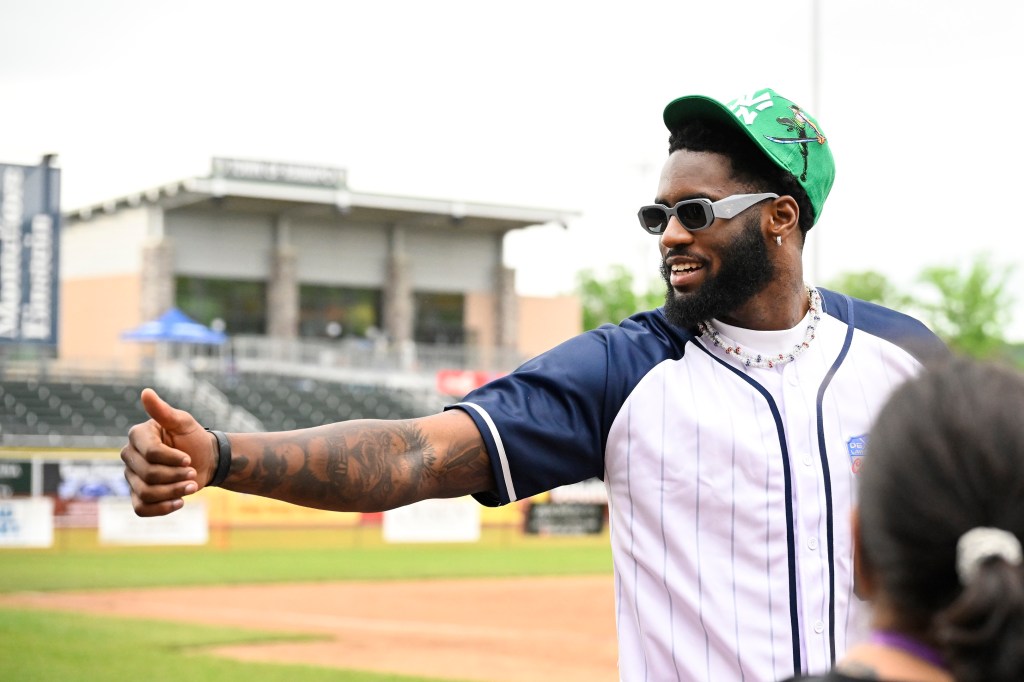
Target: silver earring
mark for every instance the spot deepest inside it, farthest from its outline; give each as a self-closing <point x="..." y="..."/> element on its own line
<point x="778" y="240"/>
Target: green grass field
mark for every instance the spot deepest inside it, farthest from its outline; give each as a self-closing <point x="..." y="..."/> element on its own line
<point x="48" y="646"/>
<point x="37" y="645"/>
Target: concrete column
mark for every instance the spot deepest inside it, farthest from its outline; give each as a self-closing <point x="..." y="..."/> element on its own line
<point x="507" y="304"/>
<point x="157" y="276"/>
<point x="283" y="285"/>
<point x="397" y="290"/>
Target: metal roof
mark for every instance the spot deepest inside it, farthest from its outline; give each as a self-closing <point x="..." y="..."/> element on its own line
<point x="318" y="201"/>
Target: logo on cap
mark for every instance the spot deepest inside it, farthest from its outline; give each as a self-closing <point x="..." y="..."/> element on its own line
<point x="747" y="107"/>
<point x="799" y="124"/>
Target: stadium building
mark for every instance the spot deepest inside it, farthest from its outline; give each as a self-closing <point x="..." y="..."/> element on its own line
<point x="276" y="254"/>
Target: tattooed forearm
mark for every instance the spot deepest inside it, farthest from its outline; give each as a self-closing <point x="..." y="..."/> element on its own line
<point x="364" y="465"/>
<point x="462" y="463"/>
<point x="271" y="467"/>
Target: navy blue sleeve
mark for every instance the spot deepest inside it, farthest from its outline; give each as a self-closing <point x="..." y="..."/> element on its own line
<point x="898" y="328"/>
<point x="546" y="424"/>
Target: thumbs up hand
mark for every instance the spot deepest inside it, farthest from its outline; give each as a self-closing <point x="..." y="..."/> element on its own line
<point x="166" y="457"/>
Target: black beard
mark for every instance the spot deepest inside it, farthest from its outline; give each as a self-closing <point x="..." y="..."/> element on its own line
<point x="745" y="270"/>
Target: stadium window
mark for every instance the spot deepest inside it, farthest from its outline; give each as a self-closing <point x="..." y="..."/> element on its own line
<point x="241" y="304"/>
<point x="439" y="318"/>
<point x="331" y="312"/>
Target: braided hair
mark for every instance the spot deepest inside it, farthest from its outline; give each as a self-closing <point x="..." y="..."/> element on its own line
<point x="946" y="456"/>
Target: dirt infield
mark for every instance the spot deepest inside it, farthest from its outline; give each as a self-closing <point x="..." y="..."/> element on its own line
<point x="493" y="630"/>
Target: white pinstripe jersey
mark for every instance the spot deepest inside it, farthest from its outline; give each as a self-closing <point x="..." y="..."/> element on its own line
<point x="730" y="488"/>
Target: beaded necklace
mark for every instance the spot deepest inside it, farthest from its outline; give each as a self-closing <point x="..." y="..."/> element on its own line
<point x="768" y="361"/>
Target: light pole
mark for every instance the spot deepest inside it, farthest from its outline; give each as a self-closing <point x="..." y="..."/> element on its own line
<point x="815" y="264"/>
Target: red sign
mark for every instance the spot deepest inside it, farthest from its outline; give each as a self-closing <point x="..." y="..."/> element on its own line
<point x="459" y="382"/>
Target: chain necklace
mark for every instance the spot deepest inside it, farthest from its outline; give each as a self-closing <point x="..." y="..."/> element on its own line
<point x="768" y="361"/>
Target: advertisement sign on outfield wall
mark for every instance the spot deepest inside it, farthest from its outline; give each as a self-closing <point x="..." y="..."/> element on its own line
<point x="442" y="520"/>
<point x="26" y="522"/>
<point x="118" y="525"/>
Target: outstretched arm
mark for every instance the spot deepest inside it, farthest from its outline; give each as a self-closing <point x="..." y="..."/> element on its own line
<point x="361" y="465"/>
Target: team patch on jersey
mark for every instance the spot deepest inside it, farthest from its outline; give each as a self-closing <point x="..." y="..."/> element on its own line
<point x="856" y="447"/>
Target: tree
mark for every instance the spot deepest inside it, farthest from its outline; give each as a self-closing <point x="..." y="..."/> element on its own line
<point x="869" y="285"/>
<point x="613" y="297"/>
<point x="968" y="308"/>
<point x="972" y="307"/>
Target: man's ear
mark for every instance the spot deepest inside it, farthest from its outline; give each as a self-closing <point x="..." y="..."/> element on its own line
<point x="784" y="214"/>
<point x="863" y="584"/>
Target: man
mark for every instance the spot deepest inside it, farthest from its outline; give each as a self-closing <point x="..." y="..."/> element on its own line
<point x="727" y="426"/>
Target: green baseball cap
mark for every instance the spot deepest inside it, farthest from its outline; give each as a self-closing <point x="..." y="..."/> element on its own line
<point x="789" y="135"/>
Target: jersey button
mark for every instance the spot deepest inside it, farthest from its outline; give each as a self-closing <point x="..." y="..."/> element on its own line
<point x="813" y="543"/>
<point x="819" y="627"/>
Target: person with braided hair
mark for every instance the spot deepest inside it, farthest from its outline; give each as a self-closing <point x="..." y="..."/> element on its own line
<point x="938" y="531"/>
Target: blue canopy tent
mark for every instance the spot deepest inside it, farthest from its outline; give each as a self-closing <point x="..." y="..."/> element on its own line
<point x="176" y="338"/>
<point x="174" y="326"/>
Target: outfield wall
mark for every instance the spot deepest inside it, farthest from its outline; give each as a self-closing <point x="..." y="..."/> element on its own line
<point x="76" y="483"/>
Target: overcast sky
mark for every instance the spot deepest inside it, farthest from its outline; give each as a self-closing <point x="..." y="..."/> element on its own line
<point x="552" y="104"/>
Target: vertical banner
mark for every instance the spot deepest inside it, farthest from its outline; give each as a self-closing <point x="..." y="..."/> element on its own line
<point x="29" y="253"/>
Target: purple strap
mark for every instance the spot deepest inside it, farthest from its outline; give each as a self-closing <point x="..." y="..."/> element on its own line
<point x="909" y="645"/>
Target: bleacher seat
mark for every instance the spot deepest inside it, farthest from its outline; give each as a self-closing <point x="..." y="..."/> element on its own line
<point x="61" y="410"/>
<point x="285" y="403"/>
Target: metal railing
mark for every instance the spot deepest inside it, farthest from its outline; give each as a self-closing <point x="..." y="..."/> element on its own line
<point x="365" y="354"/>
<point x="180" y="378"/>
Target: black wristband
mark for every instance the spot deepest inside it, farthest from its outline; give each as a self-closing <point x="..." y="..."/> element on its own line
<point x="223" y="458"/>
